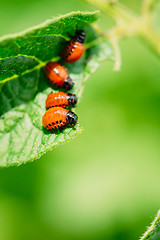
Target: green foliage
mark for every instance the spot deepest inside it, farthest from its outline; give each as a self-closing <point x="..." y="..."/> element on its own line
<point x="24" y="87"/>
<point x="153" y="232"/>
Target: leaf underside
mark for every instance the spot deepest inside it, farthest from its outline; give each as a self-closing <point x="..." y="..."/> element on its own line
<point x="24" y="87"/>
<point x="153" y="232"/>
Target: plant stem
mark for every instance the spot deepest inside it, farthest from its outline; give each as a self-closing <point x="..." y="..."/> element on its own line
<point x="115" y="10"/>
<point x="129" y="24"/>
<point x="114" y="42"/>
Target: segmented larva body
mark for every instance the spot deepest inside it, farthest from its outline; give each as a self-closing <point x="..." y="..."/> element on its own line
<point x="61" y="99"/>
<point x="75" y="48"/>
<point x="58" y="75"/>
<point x="58" y="117"/>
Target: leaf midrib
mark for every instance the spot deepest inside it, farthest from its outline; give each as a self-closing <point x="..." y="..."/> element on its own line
<point x="37" y="67"/>
<point x="41" y="63"/>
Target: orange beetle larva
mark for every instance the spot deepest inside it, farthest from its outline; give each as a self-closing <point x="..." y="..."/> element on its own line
<point x="58" y="75"/>
<point x="75" y="48"/>
<point x="58" y="117"/>
<point x="61" y="99"/>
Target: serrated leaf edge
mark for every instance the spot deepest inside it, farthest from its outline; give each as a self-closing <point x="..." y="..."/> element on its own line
<point x="151" y="228"/>
<point x="10" y="36"/>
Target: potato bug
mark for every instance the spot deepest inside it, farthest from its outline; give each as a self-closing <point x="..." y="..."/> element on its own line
<point x="61" y="99"/>
<point x="58" y="75"/>
<point x="74" y="48"/>
<point x="58" y="117"/>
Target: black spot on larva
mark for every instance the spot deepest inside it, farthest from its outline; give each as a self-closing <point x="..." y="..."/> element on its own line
<point x="49" y="124"/>
<point x="56" y="105"/>
<point x="60" y="121"/>
<point x="64" y="122"/>
<point x="53" y="123"/>
<point x="69" y="54"/>
<point x="56" y="121"/>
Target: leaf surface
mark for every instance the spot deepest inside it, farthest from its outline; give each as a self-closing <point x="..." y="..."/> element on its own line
<point x="24" y="87"/>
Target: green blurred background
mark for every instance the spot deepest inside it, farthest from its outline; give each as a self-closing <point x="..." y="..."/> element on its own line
<point x="105" y="183"/>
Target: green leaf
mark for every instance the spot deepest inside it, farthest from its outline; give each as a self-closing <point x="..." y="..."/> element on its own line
<point x="153" y="232"/>
<point x="24" y="86"/>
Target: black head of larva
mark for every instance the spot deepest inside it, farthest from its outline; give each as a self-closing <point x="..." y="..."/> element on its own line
<point x="72" y="99"/>
<point x="71" y="118"/>
<point x="80" y="36"/>
<point x="68" y="84"/>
